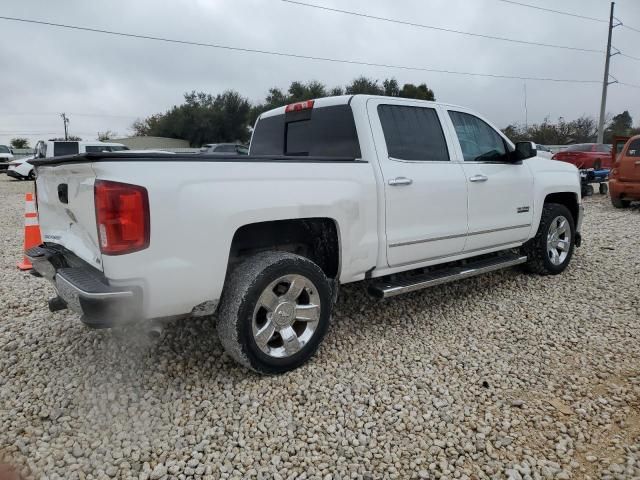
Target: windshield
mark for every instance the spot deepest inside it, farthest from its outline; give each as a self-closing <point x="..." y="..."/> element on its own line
<point x="4" y="149"/>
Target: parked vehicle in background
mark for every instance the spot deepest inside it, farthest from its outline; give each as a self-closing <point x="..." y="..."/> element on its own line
<point x="22" y="169"/>
<point x="6" y="155"/>
<point x="624" y="179"/>
<point x="401" y="194"/>
<point x="225" y="149"/>
<point x="586" y="155"/>
<point x="544" y="151"/>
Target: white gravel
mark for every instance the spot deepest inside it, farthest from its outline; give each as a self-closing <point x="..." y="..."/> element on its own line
<point x="504" y="376"/>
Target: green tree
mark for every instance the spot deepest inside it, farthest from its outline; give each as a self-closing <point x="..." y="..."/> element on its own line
<point x="420" y="92"/>
<point x="364" y="85"/>
<point x="106" y="136"/>
<point x="620" y="125"/>
<point x="72" y="138"/>
<point x="202" y="118"/>
<point x="580" y="130"/>
<point x="391" y="87"/>
<point x="19" y="142"/>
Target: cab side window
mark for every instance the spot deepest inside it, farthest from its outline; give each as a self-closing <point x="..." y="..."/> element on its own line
<point x="479" y="142"/>
<point x="634" y="149"/>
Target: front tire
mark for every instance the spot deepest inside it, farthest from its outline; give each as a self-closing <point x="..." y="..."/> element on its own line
<point x="550" y="251"/>
<point x="274" y="311"/>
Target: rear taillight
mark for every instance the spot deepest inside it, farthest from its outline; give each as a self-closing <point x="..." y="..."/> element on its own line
<point x="122" y="217"/>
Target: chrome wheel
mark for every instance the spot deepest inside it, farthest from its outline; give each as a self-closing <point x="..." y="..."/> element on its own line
<point x="286" y="316"/>
<point x="558" y="240"/>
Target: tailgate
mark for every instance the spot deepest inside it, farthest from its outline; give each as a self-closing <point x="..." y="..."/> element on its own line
<point x="66" y="209"/>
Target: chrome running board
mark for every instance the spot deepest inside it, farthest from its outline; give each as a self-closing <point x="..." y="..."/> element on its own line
<point x="431" y="279"/>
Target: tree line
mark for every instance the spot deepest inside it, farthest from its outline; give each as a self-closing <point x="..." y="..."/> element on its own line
<point x="581" y="130"/>
<point x="226" y="117"/>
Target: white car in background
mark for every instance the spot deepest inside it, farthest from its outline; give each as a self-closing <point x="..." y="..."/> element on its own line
<point x="544" y="151"/>
<point x="6" y="155"/>
<point x="21" y="169"/>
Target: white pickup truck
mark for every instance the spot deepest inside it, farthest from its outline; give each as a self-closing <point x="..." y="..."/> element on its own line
<point x="397" y="193"/>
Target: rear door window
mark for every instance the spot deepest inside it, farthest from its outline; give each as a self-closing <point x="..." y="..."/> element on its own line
<point x="413" y="133"/>
<point x="65" y="148"/>
<point x="318" y="132"/>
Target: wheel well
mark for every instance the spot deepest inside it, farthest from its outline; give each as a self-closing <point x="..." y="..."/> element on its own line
<point x="313" y="238"/>
<point x="567" y="199"/>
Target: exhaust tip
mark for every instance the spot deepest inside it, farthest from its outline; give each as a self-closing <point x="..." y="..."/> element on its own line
<point x="155" y="331"/>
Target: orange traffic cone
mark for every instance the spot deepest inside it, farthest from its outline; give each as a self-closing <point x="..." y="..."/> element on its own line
<point x="32" y="236"/>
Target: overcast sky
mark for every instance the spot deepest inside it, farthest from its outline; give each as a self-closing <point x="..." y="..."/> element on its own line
<point x="104" y="82"/>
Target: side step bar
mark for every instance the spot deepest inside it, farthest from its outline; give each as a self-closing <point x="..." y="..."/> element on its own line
<point x="431" y="279"/>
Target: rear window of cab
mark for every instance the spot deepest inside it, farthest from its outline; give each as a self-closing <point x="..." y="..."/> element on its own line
<point x="315" y="132"/>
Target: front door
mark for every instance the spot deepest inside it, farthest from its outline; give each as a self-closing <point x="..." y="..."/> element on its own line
<point x="500" y="191"/>
<point x="425" y="191"/>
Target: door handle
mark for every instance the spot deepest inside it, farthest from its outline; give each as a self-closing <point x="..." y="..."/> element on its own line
<point x="478" y="178"/>
<point x="400" y="181"/>
<point x="638" y="162"/>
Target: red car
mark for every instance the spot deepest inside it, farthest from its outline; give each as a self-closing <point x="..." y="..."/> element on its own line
<point x="586" y="155"/>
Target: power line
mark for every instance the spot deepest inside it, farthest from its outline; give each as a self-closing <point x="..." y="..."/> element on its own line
<point x="294" y="55"/>
<point x="630" y="56"/>
<point x="560" y="12"/>
<point x="629" y="85"/>
<point x="630" y="28"/>
<point x="441" y="29"/>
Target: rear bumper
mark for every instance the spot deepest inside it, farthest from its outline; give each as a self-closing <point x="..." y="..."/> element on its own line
<point x="14" y="174"/>
<point x="628" y="190"/>
<point x="85" y="290"/>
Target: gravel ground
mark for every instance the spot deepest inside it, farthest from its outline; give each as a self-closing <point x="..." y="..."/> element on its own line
<point x="503" y="376"/>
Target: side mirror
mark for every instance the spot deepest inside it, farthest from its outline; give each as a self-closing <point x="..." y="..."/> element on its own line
<point x="525" y="150"/>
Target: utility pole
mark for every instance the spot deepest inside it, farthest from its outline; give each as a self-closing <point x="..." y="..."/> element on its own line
<point x="606" y="82"/>
<point x="526" y="111"/>
<point x="65" y="120"/>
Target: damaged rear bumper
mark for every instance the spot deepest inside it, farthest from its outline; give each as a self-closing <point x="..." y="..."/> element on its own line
<point x="85" y="290"/>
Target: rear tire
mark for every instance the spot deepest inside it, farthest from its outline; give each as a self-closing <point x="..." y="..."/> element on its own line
<point x="603" y="188"/>
<point x="274" y="311"/>
<point x="620" y="203"/>
<point x="550" y="251"/>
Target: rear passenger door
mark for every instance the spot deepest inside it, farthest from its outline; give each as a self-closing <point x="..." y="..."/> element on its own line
<point x="425" y="191"/>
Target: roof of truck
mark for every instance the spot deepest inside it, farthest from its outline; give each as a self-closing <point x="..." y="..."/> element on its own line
<point x="347" y="99"/>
